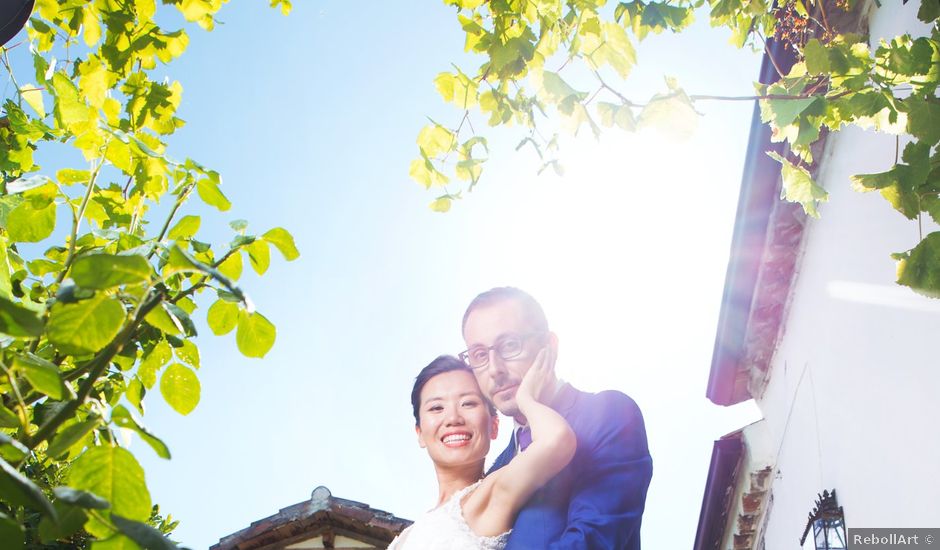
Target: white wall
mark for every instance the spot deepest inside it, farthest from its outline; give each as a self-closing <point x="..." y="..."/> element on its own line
<point x="859" y="361"/>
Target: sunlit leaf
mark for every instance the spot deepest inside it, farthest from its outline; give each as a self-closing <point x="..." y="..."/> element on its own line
<point x="28" y="224"/>
<point x="143" y="534"/>
<point x="18" y="321"/>
<point x="185" y="228"/>
<point x="123" y="418"/>
<point x="164" y="320"/>
<point x="160" y="355"/>
<point x="71" y="434"/>
<point x="920" y="268"/>
<point x="85" y="326"/>
<point x="284" y="242"/>
<point x="188" y="353"/>
<point x="210" y="193"/>
<point x="255" y="334"/>
<point x="799" y="187"/>
<point x="41" y="374"/>
<point x="259" y="255"/>
<point x="180" y="388"/>
<point x="113" y="474"/>
<point x="222" y="317"/>
<point x="232" y="266"/>
<point x="441" y="205"/>
<point x="103" y="271"/>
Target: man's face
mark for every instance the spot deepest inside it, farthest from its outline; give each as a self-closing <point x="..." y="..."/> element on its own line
<point x="500" y="378"/>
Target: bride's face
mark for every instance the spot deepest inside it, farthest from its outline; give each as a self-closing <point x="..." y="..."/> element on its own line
<point x="455" y="422"/>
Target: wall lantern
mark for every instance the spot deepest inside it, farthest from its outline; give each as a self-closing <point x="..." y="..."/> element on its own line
<point x="827" y="522"/>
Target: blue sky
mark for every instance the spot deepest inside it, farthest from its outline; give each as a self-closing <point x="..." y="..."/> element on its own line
<point x="311" y="120"/>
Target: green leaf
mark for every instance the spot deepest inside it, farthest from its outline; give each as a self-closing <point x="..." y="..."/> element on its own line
<point x="232" y="266"/>
<point x="82" y="499"/>
<point x="901" y="185"/>
<point x="284" y="242"/>
<point x="71" y="111"/>
<point x="113" y="474"/>
<point x="71" y="519"/>
<point x="160" y="355"/>
<point x="259" y="255"/>
<point x="210" y="194"/>
<point x="920" y="268"/>
<point x="434" y="139"/>
<point x="783" y="112"/>
<point x="931" y="204"/>
<point x="116" y="542"/>
<point x="617" y="50"/>
<point x="86" y="326"/>
<point x="441" y="204"/>
<point x="929" y="11"/>
<point x="71" y="434"/>
<point x="43" y="375"/>
<point x="30" y="225"/>
<point x="103" y="271"/>
<point x="222" y="317"/>
<point x="17" y="321"/>
<point x="923" y="119"/>
<point x="135" y="393"/>
<point x="20" y="490"/>
<point x="123" y="418"/>
<point x="8" y="419"/>
<point x="817" y="57"/>
<point x="180" y="388"/>
<point x="178" y="261"/>
<point x="165" y="321"/>
<point x="143" y="534"/>
<point x="255" y="334"/>
<point x="555" y="90"/>
<point x="798" y="186"/>
<point x="185" y="228"/>
<point x="71" y="176"/>
<point x="12" y="450"/>
<point x="11" y="532"/>
<point x="188" y="353"/>
<point x="189" y="329"/>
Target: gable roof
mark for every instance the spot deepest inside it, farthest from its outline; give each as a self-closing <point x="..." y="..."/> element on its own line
<point x="323" y="516"/>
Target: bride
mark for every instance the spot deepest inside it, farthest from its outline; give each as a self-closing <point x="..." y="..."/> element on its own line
<point x="456" y="424"/>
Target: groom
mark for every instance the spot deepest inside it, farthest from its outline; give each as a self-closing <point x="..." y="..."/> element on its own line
<point x="597" y="501"/>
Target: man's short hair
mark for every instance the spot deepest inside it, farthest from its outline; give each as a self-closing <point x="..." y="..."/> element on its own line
<point x="531" y="309"/>
<point x="444" y="363"/>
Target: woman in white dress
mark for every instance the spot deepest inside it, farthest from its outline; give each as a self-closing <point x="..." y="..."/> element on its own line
<point x="456" y="424"/>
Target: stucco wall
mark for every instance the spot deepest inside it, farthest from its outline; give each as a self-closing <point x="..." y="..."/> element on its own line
<point x="859" y="361"/>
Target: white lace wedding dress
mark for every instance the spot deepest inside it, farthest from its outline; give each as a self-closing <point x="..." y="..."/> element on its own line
<point x="444" y="527"/>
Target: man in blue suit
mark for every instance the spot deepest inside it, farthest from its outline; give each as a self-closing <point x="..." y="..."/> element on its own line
<point x="597" y="501"/>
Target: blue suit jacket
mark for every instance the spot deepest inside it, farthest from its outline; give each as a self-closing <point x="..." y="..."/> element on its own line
<point x="596" y="502"/>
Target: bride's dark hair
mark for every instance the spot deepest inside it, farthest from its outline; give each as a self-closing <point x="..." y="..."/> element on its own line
<point x="444" y="363"/>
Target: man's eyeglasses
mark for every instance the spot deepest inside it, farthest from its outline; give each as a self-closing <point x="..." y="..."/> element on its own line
<point x="508" y="348"/>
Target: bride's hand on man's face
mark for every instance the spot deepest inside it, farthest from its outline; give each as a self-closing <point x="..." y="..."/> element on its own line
<point x="539" y="382"/>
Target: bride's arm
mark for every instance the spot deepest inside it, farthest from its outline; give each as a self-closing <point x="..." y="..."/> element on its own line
<point x="553" y="446"/>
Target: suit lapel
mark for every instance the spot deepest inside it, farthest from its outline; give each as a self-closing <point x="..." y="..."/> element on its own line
<point x="504" y="457"/>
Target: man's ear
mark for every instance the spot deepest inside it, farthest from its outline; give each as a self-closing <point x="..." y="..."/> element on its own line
<point x="494" y="427"/>
<point x="553" y="342"/>
<point x="420" y="440"/>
